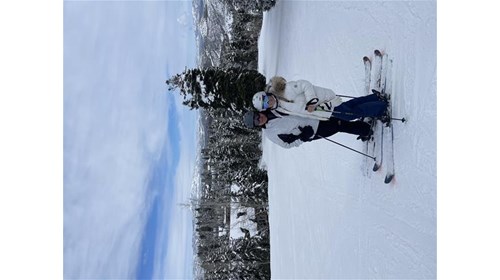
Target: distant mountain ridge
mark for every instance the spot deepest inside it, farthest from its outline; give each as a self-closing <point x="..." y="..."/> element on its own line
<point x="213" y="20"/>
<point x="227" y="31"/>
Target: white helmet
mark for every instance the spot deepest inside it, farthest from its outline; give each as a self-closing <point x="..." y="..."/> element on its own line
<point x="259" y="99"/>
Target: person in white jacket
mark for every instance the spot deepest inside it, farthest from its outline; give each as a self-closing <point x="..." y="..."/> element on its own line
<point x="304" y="99"/>
<point x="291" y="131"/>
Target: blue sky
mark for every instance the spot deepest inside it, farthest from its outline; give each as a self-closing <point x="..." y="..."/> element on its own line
<point x="129" y="145"/>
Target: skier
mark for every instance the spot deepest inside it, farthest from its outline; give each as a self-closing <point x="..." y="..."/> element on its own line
<point x="305" y="99"/>
<point x="291" y="131"/>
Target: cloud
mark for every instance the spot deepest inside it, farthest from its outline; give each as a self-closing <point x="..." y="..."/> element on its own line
<point x="109" y="148"/>
<point x="115" y="124"/>
<point x="114" y="127"/>
<point x="183" y="20"/>
<point x="177" y="261"/>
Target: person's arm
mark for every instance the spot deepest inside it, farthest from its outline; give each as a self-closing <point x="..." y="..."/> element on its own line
<point x="277" y="140"/>
<point x="311" y="97"/>
<point x="318" y="95"/>
<point x="293" y="130"/>
<point x="305" y="135"/>
<point x="293" y="140"/>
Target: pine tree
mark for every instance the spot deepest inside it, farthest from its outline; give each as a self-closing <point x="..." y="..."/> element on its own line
<point x="214" y="88"/>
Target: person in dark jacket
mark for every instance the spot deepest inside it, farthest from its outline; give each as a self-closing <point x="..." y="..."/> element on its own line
<point x="291" y="131"/>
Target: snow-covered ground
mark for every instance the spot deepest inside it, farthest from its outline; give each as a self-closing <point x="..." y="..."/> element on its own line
<point x="328" y="218"/>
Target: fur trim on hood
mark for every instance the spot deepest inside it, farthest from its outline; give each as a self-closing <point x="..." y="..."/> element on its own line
<point x="277" y="86"/>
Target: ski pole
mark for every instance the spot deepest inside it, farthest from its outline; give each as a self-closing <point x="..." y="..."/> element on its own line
<point x="348" y="148"/>
<point x="397" y="119"/>
<point x="345" y="96"/>
<point x="360" y="116"/>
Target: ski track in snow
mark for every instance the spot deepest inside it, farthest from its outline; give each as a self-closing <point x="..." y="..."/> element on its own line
<point x="327" y="218"/>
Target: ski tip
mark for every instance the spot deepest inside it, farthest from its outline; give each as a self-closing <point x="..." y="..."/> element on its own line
<point x="377" y="52"/>
<point x="376" y="167"/>
<point x="366" y="59"/>
<point x="388" y="178"/>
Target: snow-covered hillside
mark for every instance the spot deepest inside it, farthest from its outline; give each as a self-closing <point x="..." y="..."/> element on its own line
<point x="328" y="218"/>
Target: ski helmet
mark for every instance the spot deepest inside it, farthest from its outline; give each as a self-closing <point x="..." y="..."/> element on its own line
<point x="260" y="101"/>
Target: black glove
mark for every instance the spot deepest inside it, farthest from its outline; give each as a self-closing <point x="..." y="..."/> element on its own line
<point x="306" y="133"/>
<point x="288" y="138"/>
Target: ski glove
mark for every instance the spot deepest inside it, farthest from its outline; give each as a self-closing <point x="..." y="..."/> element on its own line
<point x="288" y="138"/>
<point x="305" y="135"/>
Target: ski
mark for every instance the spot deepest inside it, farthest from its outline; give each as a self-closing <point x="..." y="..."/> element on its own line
<point x="375" y="75"/>
<point x="378" y="80"/>
<point x="368" y="148"/>
<point x="368" y="69"/>
<point x="379" y="150"/>
<point x="369" y="144"/>
<point x="390" y="166"/>
<point x="378" y="132"/>
<point x="390" y="171"/>
<point x="389" y="140"/>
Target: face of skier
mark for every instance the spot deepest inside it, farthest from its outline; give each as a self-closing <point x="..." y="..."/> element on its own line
<point x="271" y="102"/>
<point x="259" y="119"/>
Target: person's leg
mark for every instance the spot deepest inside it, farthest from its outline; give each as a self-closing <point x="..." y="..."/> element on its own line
<point x="373" y="109"/>
<point x="365" y="106"/>
<point x="356" y="127"/>
<point x="351" y="110"/>
<point x="332" y="126"/>
<point x="327" y="128"/>
<point x="360" y="100"/>
<point x="346" y="113"/>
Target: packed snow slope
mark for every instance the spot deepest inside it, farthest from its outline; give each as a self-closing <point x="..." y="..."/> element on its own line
<point x="329" y="216"/>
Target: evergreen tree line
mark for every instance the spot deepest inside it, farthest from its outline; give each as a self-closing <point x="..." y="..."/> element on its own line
<point x="230" y="158"/>
<point x="241" y="50"/>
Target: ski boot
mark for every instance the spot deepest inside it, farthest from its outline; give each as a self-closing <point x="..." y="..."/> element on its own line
<point x="366" y="137"/>
<point x="381" y="95"/>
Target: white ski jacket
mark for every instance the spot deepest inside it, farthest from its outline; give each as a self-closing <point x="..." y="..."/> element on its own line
<point x="299" y="93"/>
<point x="286" y="125"/>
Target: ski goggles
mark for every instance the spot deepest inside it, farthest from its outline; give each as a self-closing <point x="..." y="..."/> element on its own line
<point x="265" y="102"/>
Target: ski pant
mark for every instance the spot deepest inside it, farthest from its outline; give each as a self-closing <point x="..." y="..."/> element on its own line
<point x="333" y="125"/>
<point x="365" y="106"/>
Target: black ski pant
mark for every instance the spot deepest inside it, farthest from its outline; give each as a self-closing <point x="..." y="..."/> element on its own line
<point x="333" y="125"/>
